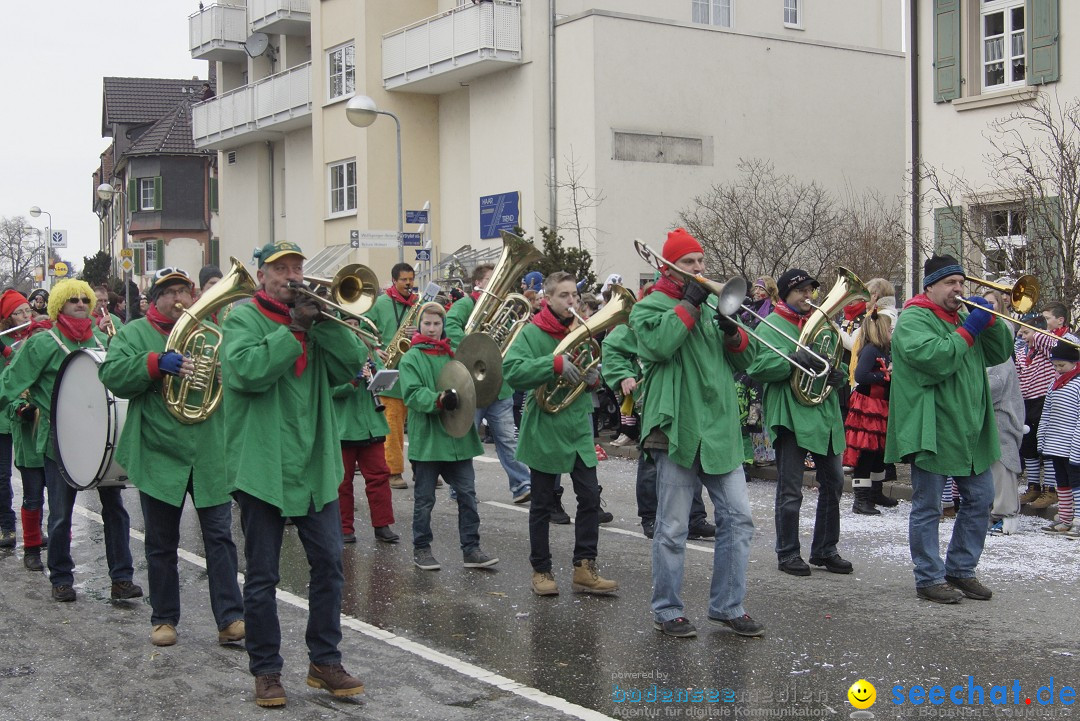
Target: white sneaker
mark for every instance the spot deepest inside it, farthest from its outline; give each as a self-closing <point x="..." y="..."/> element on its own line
<point x="622" y="440"/>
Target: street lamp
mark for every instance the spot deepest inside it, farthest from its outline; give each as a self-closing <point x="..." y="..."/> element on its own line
<point x="362" y="112"/>
<point x="46" y="280"/>
<point x="106" y="193"/>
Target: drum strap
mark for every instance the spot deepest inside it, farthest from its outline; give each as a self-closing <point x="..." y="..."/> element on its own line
<point x="64" y="347"/>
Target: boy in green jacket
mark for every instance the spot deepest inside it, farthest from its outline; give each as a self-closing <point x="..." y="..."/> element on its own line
<point x="432" y="451"/>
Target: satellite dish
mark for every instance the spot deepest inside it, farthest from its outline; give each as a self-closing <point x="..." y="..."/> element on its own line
<point x="256" y="44"/>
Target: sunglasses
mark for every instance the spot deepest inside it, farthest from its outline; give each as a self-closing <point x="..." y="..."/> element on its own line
<point x="79" y="300"/>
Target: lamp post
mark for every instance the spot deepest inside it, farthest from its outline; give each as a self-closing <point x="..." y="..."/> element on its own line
<point x="362" y="112"/>
<point x="107" y="194"/>
<point x="46" y="279"/>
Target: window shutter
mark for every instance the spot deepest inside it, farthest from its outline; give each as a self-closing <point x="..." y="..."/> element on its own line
<point x="948" y="232"/>
<point x="1044" y="253"/>
<point x="1042" y="40"/>
<point x="159" y="254"/>
<point x="946" y="50"/>
<point x="157" y="192"/>
<point x="215" y="252"/>
<point x="133" y="195"/>
<point x="213" y="195"/>
<point x="138" y="261"/>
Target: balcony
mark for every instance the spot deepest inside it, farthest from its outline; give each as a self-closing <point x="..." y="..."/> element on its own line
<point x="217" y="33"/>
<point x="259" y="111"/>
<point x="439" y="53"/>
<point x="280" y="17"/>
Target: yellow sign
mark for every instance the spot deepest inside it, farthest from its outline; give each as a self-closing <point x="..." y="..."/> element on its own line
<point x="127" y="253"/>
<point x="60" y="269"/>
<point x="126" y="265"/>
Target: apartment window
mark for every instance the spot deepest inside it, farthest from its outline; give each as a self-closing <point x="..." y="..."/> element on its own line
<point x="711" y="12"/>
<point x="341" y="66"/>
<point x="1004" y="56"/>
<point x="792" y="14"/>
<point x="150" y="258"/>
<point x="342" y="187"/>
<point x="1005" y="241"/>
<point x="146" y="194"/>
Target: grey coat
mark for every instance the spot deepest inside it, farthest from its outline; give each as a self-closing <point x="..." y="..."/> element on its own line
<point x="1008" y="412"/>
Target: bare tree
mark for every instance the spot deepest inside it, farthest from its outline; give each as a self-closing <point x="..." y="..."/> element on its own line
<point x="580" y="199"/>
<point x="22" y="250"/>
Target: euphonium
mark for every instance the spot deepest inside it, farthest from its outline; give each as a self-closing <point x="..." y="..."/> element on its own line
<point x="581" y="345"/>
<point x="194" y="398"/>
<point x="823" y="338"/>
<point x="499" y="312"/>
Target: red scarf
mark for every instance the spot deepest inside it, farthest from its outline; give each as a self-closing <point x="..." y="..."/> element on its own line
<point x="392" y="291"/>
<point x="79" y="330"/>
<point x="1060" y="332"/>
<point x="921" y="301"/>
<point x="1063" y="379"/>
<point x="160" y="323"/>
<point x="668" y="287"/>
<point x="475" y="295"/>
<point x="791" y="315"/>
<point x="432" y="346"/>
<point x="854" y="310"/>
<point x="279" y="313"/>
<point x="36" y="325"/>
<point x="550" y="323"/>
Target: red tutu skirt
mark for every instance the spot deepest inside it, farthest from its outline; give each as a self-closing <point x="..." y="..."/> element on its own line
<point x="867" y="419"/>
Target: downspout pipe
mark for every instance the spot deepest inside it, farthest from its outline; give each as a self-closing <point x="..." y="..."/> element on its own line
<point x="270" y="148"/>
<point x="553" y="199"/>
<point x="916" y="151"/>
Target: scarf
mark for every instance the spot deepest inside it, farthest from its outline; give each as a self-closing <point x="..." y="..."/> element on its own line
<point x="668" y="287"/>
<point x="550" y="323"/>
<point x="279" y="313"/>
<point x="432" y="346"/>
<point x="853" y="310"/>
<point x="475" y="295"/>
<point x="159" y="322"/>
<point x="399" y="298"/>
<point x="791" y="315"/>
<point x="1063" y="379"/>
<point x="921" y="301"/>
<point x="36" y="325"/>
<point x="79" y="330"/>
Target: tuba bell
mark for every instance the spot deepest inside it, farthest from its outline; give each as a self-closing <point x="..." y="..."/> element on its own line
<point x="192" y="399"/>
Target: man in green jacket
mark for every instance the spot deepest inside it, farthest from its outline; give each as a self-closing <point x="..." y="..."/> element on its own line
<point x="283" y="460"/>
<point x="796" y="429"/>
<point x="168" y="460"/>
<point x="554" y="443"/>
<point x="941" y="421"/>
<point x="690" y="426"/>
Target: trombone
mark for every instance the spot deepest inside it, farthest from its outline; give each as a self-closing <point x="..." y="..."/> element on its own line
<point x="353" y="289"/>
<point x="729" y="300"/>
<point x="1024" y="293"/>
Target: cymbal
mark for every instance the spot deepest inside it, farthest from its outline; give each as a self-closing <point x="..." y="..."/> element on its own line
<point x="483" y="359"/>
<point x="458" y="421"/>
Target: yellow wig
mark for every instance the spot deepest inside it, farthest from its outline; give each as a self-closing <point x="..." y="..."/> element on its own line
<point x="67" y="289"/>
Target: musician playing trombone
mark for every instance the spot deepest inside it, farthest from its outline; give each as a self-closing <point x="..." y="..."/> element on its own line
<point x="690" y="426"/>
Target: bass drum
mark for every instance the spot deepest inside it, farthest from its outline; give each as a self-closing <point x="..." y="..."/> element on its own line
<point x="87" y="420"/>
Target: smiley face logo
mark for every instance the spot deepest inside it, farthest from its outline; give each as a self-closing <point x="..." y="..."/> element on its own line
<point x="862" y="694"/>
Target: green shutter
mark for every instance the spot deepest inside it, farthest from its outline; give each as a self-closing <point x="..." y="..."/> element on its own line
<point x="133" y="195"/>
<point x="948" y="231"/>
<point x="213" y="195"/>
<point x="215" y="252"/>
<point x="1042" y="40"/>
<point x="160" y="253"/>
<point x="946" y="50"/>
<point x="1044" y="257"/>
<point x="157" y="192"/>
<point x="138" y="260"/>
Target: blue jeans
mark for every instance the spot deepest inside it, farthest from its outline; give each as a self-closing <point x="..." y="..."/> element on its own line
<point x="162" y="523"/>
<point x="830" y="477"/>
<point x="33" y="488"/>
<point x="500" y="420"/>
<point x="969" y="529"/>
<point x="734" y="531"/>
<point x="116" y="522"/>
<point x="320" y="534"/>
<point x="462" y="479"/>
<point x="7" y="514"/>
<point x="646" y="493"/>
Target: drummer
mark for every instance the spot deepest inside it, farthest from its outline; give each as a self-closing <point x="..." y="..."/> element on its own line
<point x="168" y="460"/>
<point x="35" y="368"/>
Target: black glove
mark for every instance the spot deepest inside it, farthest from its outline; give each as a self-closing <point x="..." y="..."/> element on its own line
<point x="570" y="372"/>
<point x="303" y="314"/>
<point x="727" y="324"/>
<point x="448" y="400"/>
<point x="170" y="362"/>
<point x="836" y="378"/>
<point x="695" y="293"/>
<point x="808" y="360"/>
<point x="26" y="413"/>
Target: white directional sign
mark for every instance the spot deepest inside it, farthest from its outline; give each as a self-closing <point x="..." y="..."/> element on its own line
<point x="378" y="239"/>
<point x="59" y="239"/>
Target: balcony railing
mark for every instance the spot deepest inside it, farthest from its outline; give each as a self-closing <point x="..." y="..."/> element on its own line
<point x="258" y="111"/>
<point x="285" y="17"/>
<point x="438" y="53"/>
<point x="218" y="32"/>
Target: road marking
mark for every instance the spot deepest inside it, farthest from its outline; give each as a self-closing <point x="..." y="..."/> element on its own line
<point x="470" y="670"/>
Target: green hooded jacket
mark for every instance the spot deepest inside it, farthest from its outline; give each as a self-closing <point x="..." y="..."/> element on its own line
<point x="427" y="439"/>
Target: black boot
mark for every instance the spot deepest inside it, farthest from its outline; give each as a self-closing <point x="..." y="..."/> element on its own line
<point x="559" y="514"/>
<point x="604" y="516"/>
<point x="32" y="559"/>
<point x="878" y="497"/>
<point x="864" y="505"/>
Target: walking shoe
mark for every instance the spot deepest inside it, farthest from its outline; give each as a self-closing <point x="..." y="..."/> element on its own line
<point x="7" y="538"/>
<point x="743" y="625"/>
<point x="948" y="512"/>
<point x="604" y="516"/>
<point x="1030" y="495"/>
<point x="939" y="593"/>
<point x="833" y="564"/>
<point x="1057" y="527"/>
<point x="678" y="627"/>
<point x="794" y="566"/>
<point x="124" y="590"/>
<point x="559" y="515"/>
<point x="478" y="559"/>
<point x="163" y="634"/>
<point x="648" y="527"/>
<point x="1045" y="500"/>
<point x="235" y="631"/>
<point x="386" y="534"/>
<point x="348" y="538"/>
<point x="970" y="587"/>
<point x="396" y="481"/>
<point x="997" y="528"/>
<point x="1073" y="532"/>
<point x="587" y="578"/>
<point x="32" y="559"/>
<point x="523" y="495"/>
<point x="269" y="691"/>
<point x="335" y="679"/>
<point x="543" y="584"/>
<point x="63" y="593"/>
<point x="701" y="530"/>
<point x="425" y="560"/>
<point x="622" y="441"/>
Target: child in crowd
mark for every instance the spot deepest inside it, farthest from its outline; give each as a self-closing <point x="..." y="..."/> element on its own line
<point x="1059" y="435"/>
<point x="868" y="413"/>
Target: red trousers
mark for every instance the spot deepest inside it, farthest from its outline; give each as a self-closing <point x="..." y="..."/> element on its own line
<point x="371" y="460"/>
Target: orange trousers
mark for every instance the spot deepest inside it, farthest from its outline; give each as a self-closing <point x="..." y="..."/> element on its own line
<point x="396" y="413"/>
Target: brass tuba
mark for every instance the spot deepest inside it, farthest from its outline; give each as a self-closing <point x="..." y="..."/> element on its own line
<point x="821" y="336"/>
<point x="581" y="345"/>
<point x="193" y="399"/>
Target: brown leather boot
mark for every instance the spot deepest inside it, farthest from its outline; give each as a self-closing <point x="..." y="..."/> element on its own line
<point x="269" y="691"/>
<point x="335" y="679"/>
<point x="587" y="578"/>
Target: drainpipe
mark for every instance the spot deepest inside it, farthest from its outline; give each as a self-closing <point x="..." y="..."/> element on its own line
<point x="553" y="200"/>
<point x="916" y="163"/>
<point x="270" y="148"/>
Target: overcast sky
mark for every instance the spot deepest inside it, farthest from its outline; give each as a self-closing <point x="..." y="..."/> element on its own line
<point x="53" y="57"/>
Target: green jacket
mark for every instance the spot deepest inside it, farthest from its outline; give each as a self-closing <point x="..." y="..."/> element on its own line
<point x="456" y="318"/>
<point x="357" y="419"/>
<point x="427" y="439"/>
<point x="24" y="438"/>
<point x="388" y="314"/>
<point x="620" y="359"/>
<point x="547" y="442"/>
<point x="281" y="439"/>
<point x="34" y="367"/>
<point x="159" y="452"/>
<point x="820" y="428"/>
<point x="940" y="382"/>
<point x="5" y="421"/>
<point x="689" y="383"/>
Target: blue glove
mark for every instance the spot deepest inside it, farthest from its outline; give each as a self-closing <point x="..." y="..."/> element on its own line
<point x="978" y="319"/>
<point x="169" y="363"/>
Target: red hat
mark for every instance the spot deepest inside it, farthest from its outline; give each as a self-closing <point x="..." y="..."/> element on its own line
<point x="679" y="243"/>
<point x="9" y="301"/>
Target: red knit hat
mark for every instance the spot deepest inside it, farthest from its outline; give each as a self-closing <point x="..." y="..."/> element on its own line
<point x="679" y="243"/>
<point x="9" y="301"/>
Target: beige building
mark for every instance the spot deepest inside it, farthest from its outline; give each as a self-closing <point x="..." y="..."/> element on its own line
<point x="654" y="100"/>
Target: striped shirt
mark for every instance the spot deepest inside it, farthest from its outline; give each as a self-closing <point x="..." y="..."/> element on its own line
<point x="1059" y="427"/>
<point x="1033" y="364"/>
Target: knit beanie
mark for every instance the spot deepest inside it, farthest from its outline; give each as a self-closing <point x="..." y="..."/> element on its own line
<point x="678" y="244"/>
<point x="10" y="301"/>
<point x="940" y="266"/>
<point x="207" y="273"/>
<point x="1063" y="351"/>
<point x="67" y="289"/>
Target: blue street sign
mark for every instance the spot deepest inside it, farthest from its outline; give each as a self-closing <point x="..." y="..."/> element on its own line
<point x="499" y="212"/>
<point x="423" y="254"/>
<point x="413" y="239"/>
<point x="416" y="217"/>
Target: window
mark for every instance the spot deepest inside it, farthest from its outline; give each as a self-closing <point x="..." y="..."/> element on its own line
<point x="712" y="12"/>
<point x="150" y="259"/>
<point x="1005" y="241"/>
<point x="342" y="187"/>
<point x="146" y="194"/>
<point x="1004" y="58"/>
<point x="341" y="65"/>
<point x="792" y="14"/>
